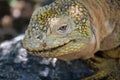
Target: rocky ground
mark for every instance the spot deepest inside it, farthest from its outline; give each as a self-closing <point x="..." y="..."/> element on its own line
<point x="17" y="64"/>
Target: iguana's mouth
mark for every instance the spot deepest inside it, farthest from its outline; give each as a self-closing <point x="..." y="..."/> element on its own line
<point x="72" y="48"/>
<point x="47" y="52"/>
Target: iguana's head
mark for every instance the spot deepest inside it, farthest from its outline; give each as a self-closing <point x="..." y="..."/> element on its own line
<point x="59" y="29"/>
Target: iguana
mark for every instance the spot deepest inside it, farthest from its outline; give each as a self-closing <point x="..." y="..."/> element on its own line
<point x="76" y="29"/>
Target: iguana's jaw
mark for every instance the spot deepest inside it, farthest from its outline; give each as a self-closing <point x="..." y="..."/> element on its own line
<point x="70" y="50"/>
<point x="71" y="47"/>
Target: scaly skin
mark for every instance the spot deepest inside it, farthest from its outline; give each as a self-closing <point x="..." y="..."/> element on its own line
<point x="72" y="29"/>
<point x="59" y="29"/>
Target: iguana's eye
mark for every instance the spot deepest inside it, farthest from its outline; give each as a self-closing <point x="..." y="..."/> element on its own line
<point x="63" y="28"/>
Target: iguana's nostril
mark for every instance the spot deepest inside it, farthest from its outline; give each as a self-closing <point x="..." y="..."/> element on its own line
<point x="36" y="33"/>
<point x="39" y="37"/>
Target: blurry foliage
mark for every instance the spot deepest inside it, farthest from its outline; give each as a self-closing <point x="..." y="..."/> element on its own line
<point x="15" y="16"/>
<point x="12" y="2"/>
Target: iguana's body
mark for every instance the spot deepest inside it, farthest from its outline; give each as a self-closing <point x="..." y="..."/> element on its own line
<point x="72" y="29"/>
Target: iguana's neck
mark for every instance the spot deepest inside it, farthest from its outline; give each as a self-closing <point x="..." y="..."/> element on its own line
<point x="104" y="15"/>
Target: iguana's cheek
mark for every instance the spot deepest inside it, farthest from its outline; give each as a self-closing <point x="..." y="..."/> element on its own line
<point x="82" y="50"/>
